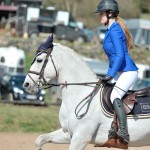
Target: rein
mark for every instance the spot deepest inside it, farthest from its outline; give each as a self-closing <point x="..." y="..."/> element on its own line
<point x="49" y="85"/>
<point x="87" y="100"/>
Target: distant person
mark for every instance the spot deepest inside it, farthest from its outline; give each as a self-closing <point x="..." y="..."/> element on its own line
<point x="122" y="70"/>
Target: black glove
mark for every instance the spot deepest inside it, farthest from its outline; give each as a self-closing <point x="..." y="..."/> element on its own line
<point x="106" y="79"/>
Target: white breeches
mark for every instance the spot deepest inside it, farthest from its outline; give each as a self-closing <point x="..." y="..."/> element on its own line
<point x="124" y="82"/>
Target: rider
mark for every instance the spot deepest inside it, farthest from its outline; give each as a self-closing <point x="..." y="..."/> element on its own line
<point x="122" y="70"/>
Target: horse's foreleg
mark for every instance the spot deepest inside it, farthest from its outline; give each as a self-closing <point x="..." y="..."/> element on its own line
<point x="83" y="136"/>
<point x="79" y="141"/>
<point x="58" y="136"/>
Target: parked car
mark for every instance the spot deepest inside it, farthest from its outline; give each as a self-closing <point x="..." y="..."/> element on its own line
<point x="141" y="83"/>
<point x="89" y="34"/>
<point x="97" y="66"/>
<point x="100" y="32"/>
<point x="70" y="33"/>
<point x="12" y="89"/>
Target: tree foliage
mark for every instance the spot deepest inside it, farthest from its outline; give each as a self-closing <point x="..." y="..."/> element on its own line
<point x="144" y="6"/>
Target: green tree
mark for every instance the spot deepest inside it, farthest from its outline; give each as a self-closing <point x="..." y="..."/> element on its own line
<point x="144" y="6"/>
<point x="7" y="2"/>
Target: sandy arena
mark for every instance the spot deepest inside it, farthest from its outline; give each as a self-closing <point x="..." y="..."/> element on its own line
<point x="25" y="141"/>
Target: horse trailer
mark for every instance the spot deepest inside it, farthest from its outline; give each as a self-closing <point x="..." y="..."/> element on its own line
<point x="12" y="60"/>
<point x="140" y="30"/>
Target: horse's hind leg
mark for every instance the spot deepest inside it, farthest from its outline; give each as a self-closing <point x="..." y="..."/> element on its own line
<point x="59" y="137"/>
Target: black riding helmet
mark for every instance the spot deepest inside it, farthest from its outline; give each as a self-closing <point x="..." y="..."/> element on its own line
<point x="108" y="6"/>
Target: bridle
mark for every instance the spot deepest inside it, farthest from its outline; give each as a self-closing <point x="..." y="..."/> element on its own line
<point x="39" y="82"/>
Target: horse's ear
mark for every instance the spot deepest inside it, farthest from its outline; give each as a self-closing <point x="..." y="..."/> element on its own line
<point x="48" y="44"/>
<point x="51" y="38"/>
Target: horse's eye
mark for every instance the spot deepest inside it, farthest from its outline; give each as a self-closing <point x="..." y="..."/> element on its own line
<point x="39" y="60"/>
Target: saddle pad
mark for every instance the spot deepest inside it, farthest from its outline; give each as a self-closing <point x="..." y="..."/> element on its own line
<point x="141" y="108"/>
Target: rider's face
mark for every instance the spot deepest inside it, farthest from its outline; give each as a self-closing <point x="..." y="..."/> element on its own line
<point x="103" y="17"/>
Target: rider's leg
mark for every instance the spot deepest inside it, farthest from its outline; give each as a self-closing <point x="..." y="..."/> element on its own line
<point x="123" y="81"/>
<point x="113" y="130"/>
<point x="121" y="115"/>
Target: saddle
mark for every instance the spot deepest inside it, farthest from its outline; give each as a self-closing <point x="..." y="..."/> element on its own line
<point x="129" y="100"/>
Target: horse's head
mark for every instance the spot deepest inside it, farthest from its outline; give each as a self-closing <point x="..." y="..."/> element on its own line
<point x="42" y="68"/>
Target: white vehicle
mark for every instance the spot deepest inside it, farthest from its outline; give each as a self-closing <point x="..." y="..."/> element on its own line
<point x="98" y="67"/>
<point x="144" y="71"/>
<point x="12" y="60"/>
<point x="101" y="67"/>
<point x="140" y="30"/>
<point x="100" y="31"/>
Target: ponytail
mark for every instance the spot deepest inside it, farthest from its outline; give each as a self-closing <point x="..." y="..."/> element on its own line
<point x="130" y="42"/>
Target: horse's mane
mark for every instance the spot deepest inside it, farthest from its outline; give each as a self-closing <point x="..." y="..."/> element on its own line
<point x="75" y="56"/>
<point x="68" y="50"/>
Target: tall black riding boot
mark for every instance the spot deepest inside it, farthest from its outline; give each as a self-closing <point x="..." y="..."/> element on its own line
<point x="121" y="115"/>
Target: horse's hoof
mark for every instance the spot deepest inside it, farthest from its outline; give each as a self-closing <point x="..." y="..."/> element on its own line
<point x="38" y="149"/>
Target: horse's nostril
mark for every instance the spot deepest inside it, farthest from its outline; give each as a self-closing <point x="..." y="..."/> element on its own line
<point x="26" y="84"/>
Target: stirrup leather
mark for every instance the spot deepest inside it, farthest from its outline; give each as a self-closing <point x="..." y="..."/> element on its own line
<point x="112" y="133"/>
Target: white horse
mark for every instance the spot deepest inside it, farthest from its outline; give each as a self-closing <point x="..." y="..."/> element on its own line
<point x="93" y="127"/>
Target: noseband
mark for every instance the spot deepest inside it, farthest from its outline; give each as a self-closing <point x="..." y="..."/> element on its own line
<point x="39" y="82"/>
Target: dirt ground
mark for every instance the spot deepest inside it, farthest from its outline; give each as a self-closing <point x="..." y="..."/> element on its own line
<point x="25" y="141"/>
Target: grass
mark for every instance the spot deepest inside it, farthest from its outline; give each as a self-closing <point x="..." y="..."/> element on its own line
<point x="29" y="57"/>
<point x="16" y="118"/>
<point x="145" y="16"/>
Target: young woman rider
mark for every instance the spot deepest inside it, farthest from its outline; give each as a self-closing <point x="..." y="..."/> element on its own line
<point x="122" y="69"/>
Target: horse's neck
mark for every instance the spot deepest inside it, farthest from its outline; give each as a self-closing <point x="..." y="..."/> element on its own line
<point x="73" y="68"/>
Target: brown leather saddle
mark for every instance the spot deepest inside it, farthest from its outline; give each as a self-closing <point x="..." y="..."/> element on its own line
<point x="129" y="100"/>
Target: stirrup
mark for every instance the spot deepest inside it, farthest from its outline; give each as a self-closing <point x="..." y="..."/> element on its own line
<point x="112" y="134"/>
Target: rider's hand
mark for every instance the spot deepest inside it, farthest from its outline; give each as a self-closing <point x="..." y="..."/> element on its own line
<point x="106" y="79"/>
